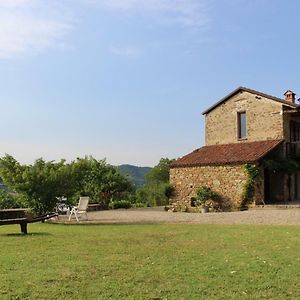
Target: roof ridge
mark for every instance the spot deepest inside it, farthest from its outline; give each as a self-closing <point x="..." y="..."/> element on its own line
<point x="252" y="92"/>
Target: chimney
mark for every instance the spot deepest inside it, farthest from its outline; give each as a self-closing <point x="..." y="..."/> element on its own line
<point x="290" y="96"/>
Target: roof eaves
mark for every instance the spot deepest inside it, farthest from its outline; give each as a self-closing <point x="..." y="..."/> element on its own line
<point x="211" y="164"/>
<point x="276" y="144"/>
<point x="270" y="150"/>
<point x="241" y="88"/>
<point x="222" y="100"/>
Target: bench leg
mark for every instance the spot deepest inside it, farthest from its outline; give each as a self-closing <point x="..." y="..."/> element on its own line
<point x="23" y="228"/>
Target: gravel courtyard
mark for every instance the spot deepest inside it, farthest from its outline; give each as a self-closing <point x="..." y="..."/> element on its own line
<point x="158" y="215"/>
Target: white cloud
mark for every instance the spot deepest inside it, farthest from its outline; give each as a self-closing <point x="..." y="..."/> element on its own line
<point x="32" y="26"/>
<point x="26" y="27"/>
<point x="127" y="51"/>
<point x="188" y="13"/>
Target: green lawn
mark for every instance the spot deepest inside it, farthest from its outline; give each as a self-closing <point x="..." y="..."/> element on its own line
<point x="150" y="262"/>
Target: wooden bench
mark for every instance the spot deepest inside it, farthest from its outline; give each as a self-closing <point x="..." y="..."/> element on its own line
<point x="18" y="216"/>
<point x="94" y="207"/>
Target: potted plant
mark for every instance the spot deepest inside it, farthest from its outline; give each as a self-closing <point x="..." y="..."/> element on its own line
<point x="204" y="194"/>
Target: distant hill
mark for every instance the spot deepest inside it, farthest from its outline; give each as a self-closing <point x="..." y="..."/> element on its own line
<point x="136" y="174"/>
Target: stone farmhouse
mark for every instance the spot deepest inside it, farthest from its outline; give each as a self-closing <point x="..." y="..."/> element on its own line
<point x="246" y="127"/>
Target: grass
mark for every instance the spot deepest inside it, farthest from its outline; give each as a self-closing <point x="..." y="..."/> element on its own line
<point x="150" y="262"/>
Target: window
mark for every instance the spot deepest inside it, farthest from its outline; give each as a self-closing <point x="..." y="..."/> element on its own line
<point x="193" y="202"/>
<point x="242" y="125"/>
<point x="295" y="131"/>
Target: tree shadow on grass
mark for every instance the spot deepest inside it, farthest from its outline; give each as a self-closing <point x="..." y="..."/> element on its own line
<point x="28" y="234"/>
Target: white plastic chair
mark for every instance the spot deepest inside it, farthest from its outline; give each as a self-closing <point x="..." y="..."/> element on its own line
<point x="80" y="209"/>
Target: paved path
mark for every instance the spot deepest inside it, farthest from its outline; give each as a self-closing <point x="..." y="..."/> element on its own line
<point x="158" y="215"/>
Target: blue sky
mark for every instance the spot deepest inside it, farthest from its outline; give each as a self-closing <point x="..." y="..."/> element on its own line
<point x="127" y="80"/>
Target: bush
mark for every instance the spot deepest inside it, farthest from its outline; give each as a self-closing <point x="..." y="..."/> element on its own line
<point x="205" y="193"/>
<point x="119" y="204"/>
<point x="154" y="194"/>
<point x="8" y="201"/>
<point x="139" y="205"/>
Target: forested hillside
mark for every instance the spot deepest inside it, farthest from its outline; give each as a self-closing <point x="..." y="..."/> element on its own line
<point x="136" y="174"/>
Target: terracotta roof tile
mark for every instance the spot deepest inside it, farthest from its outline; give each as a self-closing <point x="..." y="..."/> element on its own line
<point x="228" y="153"/>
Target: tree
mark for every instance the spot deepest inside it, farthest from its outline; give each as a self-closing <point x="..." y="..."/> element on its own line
<point x="102" y="182"/>
<point x="160" y="173"/>
<point x="40" y="183"/>
<point x="154" y="194"/>
<point x="8" y="200"/>
<point x="43" y="182"/>
<point x="157" y="190"/>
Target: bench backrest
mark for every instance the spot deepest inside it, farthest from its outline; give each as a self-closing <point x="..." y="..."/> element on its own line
<point x="12" y="214"/>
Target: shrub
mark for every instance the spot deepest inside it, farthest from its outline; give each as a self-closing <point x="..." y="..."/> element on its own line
<point x="169" y="190"/>
<point x="249" y="187"/>
<point x="119" y="204"/>
<point x="8" y="200"/>
<point x="154" y="194"/>
<point x="204" y="194"/>
<point x="139" y="205"/>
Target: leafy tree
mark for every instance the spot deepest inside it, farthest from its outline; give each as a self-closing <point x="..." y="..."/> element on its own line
<point x="157" y="190"/>
<point x="42" y="182"/>
<point x="2" y="185"/>
<point x="100" y="181"/>
<point x="10" y="170"/>
<point x="154" y="194"/>
<point x="8" y="200"/>
<point x="160" y="173"/>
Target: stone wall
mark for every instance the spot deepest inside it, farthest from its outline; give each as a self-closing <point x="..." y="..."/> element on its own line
<point x="264" y="120"/>
<point x="227" y="180"/>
